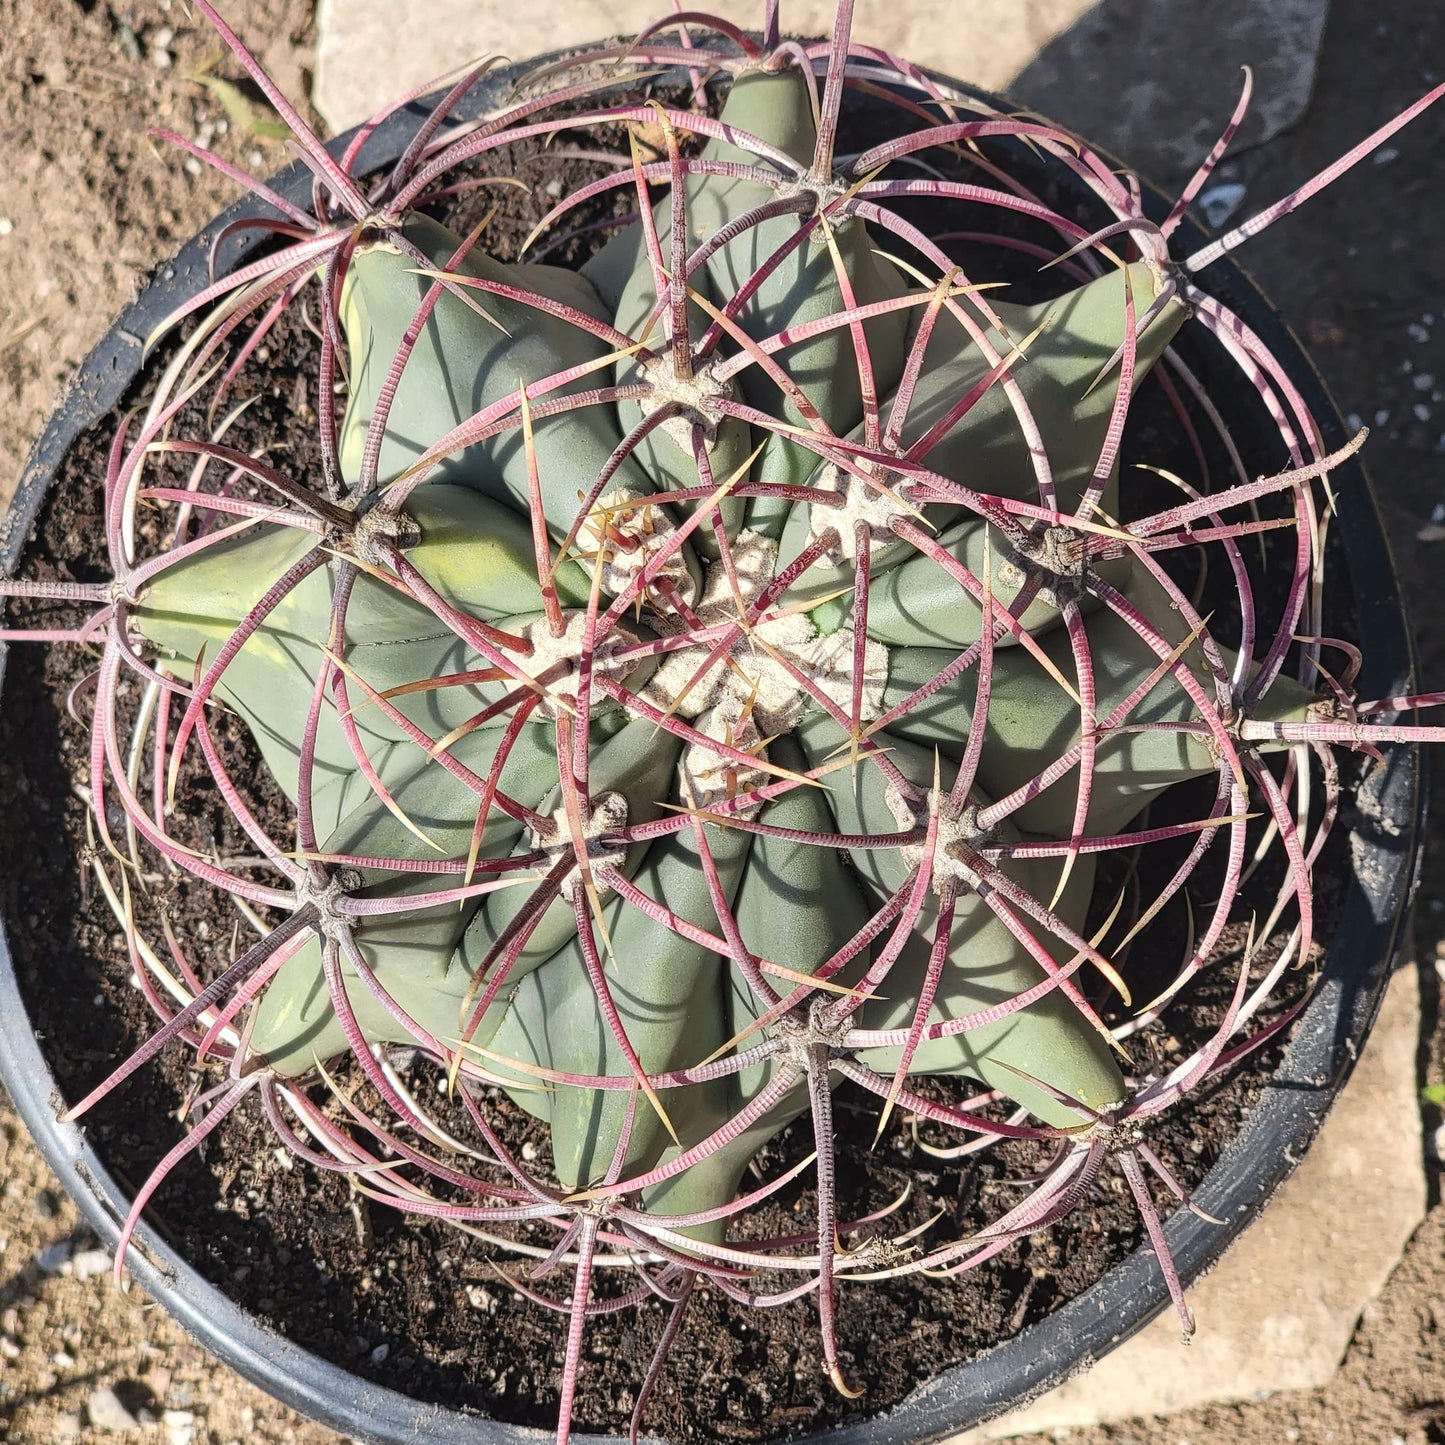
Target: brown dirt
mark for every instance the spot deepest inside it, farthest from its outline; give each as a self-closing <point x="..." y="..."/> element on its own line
<point x="72" y="100"/>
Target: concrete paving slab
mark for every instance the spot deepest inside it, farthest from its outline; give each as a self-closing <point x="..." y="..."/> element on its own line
<point x="1279" y="1309"/>
<point x="988" y="41"/>
<point x="1152" y="80"/>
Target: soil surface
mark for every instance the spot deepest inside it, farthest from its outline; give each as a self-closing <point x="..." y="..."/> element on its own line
<point x="77" y="82"/>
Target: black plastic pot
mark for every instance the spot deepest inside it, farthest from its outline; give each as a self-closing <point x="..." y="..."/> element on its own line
<point x="1325" y="1043"/>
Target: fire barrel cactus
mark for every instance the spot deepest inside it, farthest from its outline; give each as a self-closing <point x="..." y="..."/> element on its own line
<point x="710" y="674"/>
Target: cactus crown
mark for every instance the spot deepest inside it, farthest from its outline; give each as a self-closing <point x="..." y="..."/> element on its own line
<point x="714" y="673"/>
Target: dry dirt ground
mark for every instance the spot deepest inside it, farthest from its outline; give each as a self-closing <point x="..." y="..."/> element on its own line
<point x="86" y="207"/>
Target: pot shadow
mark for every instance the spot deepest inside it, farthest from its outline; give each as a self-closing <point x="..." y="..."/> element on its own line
<point x="1155" y="80"/>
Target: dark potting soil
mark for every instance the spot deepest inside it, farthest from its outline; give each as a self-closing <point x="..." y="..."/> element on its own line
<point x="419" y="1306"/>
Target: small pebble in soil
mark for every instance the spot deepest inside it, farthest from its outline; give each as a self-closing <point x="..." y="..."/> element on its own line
<point x="52" y="1257"/>
<point x="180" y="1427"/>
<point x="106" y="1412"/>
<point x="1219" y="203"/>
<point x="6" y="225"/>
<point x="1436" y="1145"/>
<point x="46" y="1204"/>
<point x="87" y="1263"/>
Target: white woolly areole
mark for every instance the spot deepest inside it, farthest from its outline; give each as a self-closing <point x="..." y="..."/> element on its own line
<point x="555" y="662"/>
<point x="609" y="815"/>
<point x="626" y="541"/>
<point x="709" y="777"/>
<point x="751" y="674"/>
<point x="958" y="840"/>
<point x="876" y="508"/>
<point x="694" y="396"/>
<point x="830" y="665"/>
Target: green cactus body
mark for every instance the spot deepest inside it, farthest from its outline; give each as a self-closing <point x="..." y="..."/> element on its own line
<point x="668" y="991"/>
<point x="986" y="964"/>
<point x="780" y="920"/>
<point x="636" y="764"/>
<point x="985" y="967"/>
<point x="1069" y="341"/>
<point x="413" y="954"/>
<point x="1031" y="716"/>
<point x="476" y="554"/>
<point x="778" y="109"/>
<point x="464" y="361"/>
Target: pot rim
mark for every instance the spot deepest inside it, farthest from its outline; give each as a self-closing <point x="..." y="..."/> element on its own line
<point x="1317" y="1062"/>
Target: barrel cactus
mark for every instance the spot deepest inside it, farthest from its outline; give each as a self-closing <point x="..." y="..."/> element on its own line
<point x="712" y="672"/>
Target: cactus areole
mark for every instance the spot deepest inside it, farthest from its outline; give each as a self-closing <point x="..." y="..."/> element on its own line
<point x="716" y="672"/>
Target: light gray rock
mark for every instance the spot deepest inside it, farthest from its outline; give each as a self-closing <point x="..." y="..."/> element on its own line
<point x="88" y="1263"/>
<point x="106" y="1412"/>
<point x="1280" y="1308"/>
<point x="985" y="41"/>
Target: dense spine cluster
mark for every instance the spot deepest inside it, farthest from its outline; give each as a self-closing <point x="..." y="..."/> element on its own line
<point x="714" y="673"/>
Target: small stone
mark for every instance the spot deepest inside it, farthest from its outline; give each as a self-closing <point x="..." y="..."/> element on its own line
<point x="47" y="1206"/>
<point x="1422" y="412"/>
<point x="1416" y="332"/>
<point x="6" y="225"/>
<point x="1219" y="203"/>
<point x="54" y="1257"/>
<point x="1435" y="1144"/>
<point x="107" y="1413"/>
<point x="87" y="1263"/>
<point x="529" y="1151"/>
<point x="1382" y="416"/>
<point x="481" y="1299"/>
<point x="1386" y="154"/>
<point x="179" y="1427"/>
<point x="379" y="1354"/>
<point x="67" y="1425"/>
<point x="1424" y="380"/>
<point x="9" y="1350"/>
